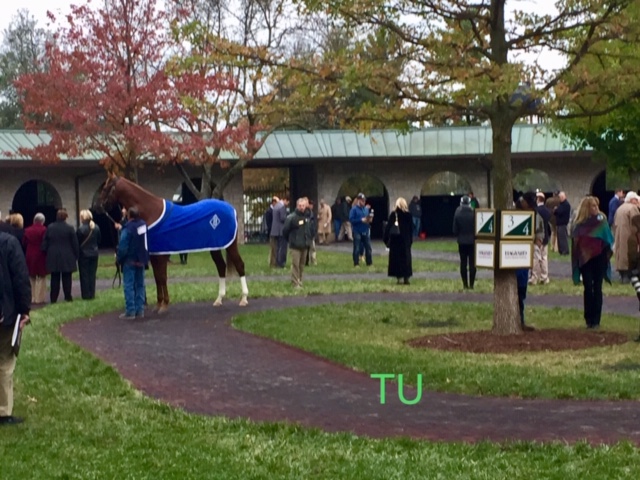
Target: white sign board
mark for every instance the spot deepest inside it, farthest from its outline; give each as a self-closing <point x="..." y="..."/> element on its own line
<point x="517" y="224"/>
<point x="485" y="222"/>
<point x="516" y="254"/>
<point x="485" y="254"/>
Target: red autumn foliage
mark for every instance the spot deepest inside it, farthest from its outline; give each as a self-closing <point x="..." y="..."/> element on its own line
<point x="107" y="90"/>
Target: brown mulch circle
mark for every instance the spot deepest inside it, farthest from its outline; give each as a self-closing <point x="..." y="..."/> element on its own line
<point x="484" y="341"/>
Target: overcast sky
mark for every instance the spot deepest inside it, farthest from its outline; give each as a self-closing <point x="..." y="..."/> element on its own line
<point x="38" y="8"/>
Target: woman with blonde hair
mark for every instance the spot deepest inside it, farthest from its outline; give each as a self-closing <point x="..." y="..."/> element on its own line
<point x="398" y="237"/>
<point x="36" y="258"/>
<point x="17" y="222"/>
<point x="590" y="254"/>
<point x="89" y="240"/>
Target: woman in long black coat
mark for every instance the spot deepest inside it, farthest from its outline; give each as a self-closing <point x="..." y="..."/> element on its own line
<point x="398" y="237"/>
<point x="89" y="240"/>
<point x="62" y="248"/>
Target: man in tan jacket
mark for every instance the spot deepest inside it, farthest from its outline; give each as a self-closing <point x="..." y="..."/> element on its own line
<point x="624" y="234"/>
<point x="324" y="223"/>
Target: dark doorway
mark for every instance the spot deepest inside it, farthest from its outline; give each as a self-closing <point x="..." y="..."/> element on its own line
<point x="599" y="190"/>
<point x="36" y="196"/>
<point x="437" y="214"/>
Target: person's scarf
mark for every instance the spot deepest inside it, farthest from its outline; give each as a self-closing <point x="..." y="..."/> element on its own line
<point x="590" y="239"/>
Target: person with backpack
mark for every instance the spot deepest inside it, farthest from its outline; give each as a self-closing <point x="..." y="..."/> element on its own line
<point x="15" y="302"/>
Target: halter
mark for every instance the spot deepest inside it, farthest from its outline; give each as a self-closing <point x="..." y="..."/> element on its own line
<point x="109" y="195"/>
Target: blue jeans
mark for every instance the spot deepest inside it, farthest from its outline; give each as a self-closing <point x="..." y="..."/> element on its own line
<point x="416" y="226"/>
<point x="133" y="281"/>
<point x="361" y="241"/>
<point x="336" y="227"/>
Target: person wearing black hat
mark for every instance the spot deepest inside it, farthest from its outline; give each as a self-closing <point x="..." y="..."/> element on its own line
<point x="464" y="229"/>
<point x="361" y="218"/>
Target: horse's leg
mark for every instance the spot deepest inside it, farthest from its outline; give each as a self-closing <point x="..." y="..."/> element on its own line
<point x="221" y="266"/>
<point x="234" y="259"/>
<point x="159" y="265"/>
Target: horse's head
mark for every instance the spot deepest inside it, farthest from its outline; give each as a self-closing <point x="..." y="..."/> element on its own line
<point x="107" y="195"/>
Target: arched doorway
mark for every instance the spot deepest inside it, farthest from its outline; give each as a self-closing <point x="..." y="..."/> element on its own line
<point x="439" y="197"/>
<point x="377" y="197"/>
<point x="36" y="196"/>
<point x="534" y="180"/>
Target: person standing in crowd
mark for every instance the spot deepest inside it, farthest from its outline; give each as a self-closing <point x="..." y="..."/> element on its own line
<point x="15" y="300"/>
<point x="36" y="258"/>
<point x="298" y="234"/>
<point x="614" y="203"/>
<point x="540" y="270"/>
<point x="591" y="241"/>
<point x="17" y="222"/>
<point x="335" y="215"/>
<point x="89" y="240"/>
<point x="346" y="230"/>
<point x="474" y="201"/>
<point x="268" y="224"/>
<point x="528" y="202"/>
<point x="312" y="256"/>
<point x="398" y="237"/>
<point x="624" y="234"/>
<point x="464" y="230"/>
<point x="563" y="214"/>
<point x="551" y="204"/>
<point x="133" y="255"/>
<point x="416" y="215"/>
<point x="279" y="217"/>
<point x="324" y="223"/>
<point x="62" y="249"/>
<point x="360" y="218"/>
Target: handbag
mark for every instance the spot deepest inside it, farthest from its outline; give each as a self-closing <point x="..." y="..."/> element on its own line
<point x="395" y="228"/>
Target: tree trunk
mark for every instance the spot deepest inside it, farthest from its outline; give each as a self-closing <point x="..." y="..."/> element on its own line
<point x="227" y="177"/>
<point x="506" y="314"/>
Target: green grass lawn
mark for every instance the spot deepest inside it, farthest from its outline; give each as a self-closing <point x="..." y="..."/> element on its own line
<point x="370" y="337"/>
<point x="85" y="422"/>
<point x="256" y="263"/>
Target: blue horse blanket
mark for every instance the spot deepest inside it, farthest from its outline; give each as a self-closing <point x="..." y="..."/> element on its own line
<point x="202" y="226"/>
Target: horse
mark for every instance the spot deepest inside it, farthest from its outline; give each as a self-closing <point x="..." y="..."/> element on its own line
<point x="156" y="211"/>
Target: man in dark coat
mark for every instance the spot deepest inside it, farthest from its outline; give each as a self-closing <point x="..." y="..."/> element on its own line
<point x="464" y="229"/>
<point x="62" y="248"/>
<point x="297" y="232"/>
<point x="562" y="214"/>
<point x="398" y="241"/>
<point x="15" y="299"/>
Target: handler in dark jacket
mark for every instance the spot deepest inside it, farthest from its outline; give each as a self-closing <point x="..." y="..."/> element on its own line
<point x="399" y="241"/>
<point x="562" y="214"/>
<point x="297" y="232"/>
<point x="464" y="229"/>
<point x="89" y="240"/>
<point x="62" y="248"/>
<point x="133" y="255"/>
<point x="16" y="300"/>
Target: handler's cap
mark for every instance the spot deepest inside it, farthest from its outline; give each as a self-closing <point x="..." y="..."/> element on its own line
<point x="540" y="195"/>
<point x="465" y="200"/>
<point x="361" y="196"/>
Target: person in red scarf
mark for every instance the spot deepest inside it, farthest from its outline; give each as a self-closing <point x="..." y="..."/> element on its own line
<point x="591" y="252"/>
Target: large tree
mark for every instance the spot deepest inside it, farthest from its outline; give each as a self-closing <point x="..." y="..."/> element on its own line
<point x="239" y="41"/>
<point x="469" y="58"/>
<point x="21" y="52"/>
<point x="107" y="91"/>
